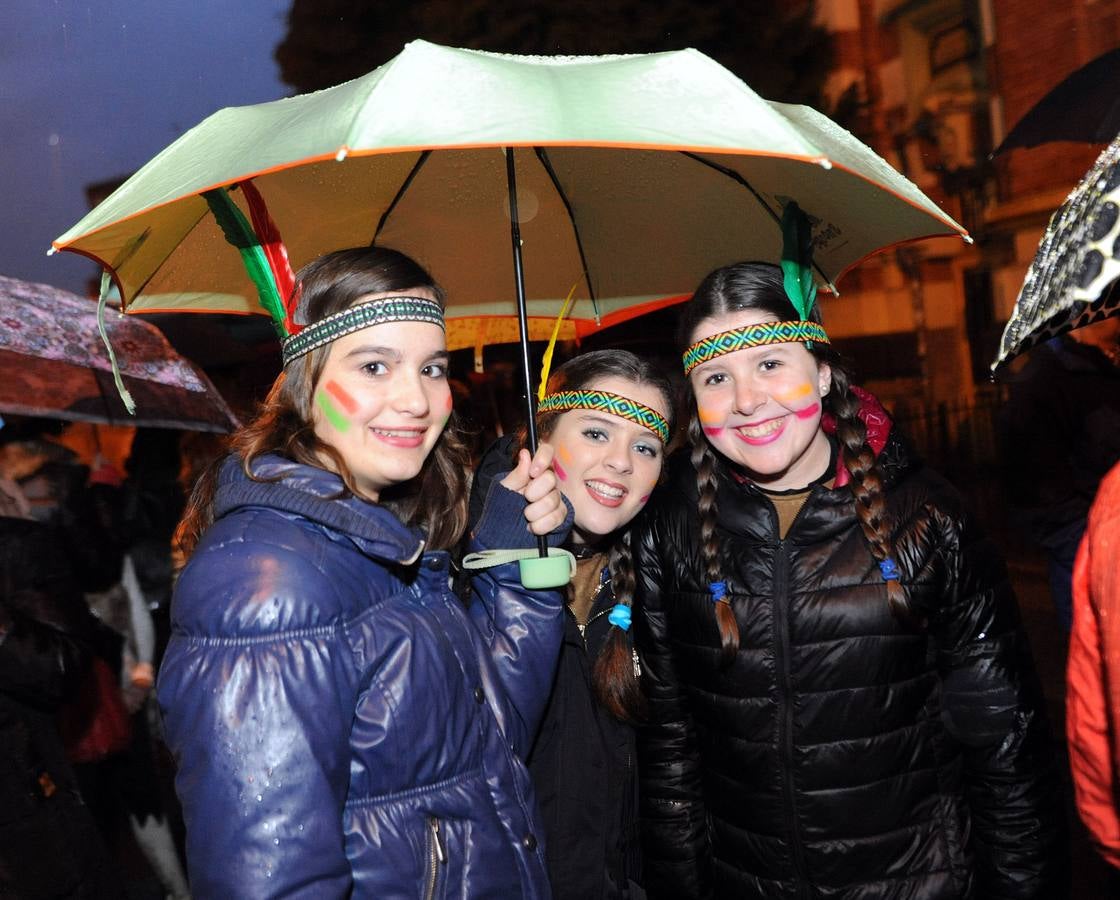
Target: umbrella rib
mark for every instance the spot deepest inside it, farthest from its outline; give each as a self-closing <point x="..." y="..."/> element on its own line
<point x="739" y="179"/>
<point x="542" y="155"/>
<point x="423" y="158"/>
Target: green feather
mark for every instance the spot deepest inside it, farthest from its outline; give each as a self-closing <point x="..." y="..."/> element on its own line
<point x="797" y="259"/>
<point x="239" y="233"/>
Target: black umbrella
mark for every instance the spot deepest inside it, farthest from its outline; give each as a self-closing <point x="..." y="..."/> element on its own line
<point x="1084" y="107"/>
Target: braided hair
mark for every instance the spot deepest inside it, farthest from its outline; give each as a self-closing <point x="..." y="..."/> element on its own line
<point x="759" y="286"/>
<point x="613" y="676"/>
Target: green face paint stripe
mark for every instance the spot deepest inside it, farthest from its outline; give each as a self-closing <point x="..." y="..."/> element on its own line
<point x="337" y="419"/>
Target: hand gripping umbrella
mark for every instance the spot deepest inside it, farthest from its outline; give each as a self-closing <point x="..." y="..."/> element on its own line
<point x="628" y="176"/>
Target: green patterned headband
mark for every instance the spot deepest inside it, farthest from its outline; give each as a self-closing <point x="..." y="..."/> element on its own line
<point x="751" y="336"/>
<point x="363" y="315"/>
<point x="603" y="401"/>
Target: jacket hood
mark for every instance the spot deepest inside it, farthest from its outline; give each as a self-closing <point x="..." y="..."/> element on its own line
<point x="321" y="497"/>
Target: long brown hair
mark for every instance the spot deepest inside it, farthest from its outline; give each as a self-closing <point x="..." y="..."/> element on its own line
<point x="435" y="500"/>
<point x="615" y="682"/>
<point x="759" y="286"/>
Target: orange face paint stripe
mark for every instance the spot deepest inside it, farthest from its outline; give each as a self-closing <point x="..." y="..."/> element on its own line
<point x="797" y="393"/>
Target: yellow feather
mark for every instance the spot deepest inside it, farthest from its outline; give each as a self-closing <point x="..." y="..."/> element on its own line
<point x="546" y="362"/>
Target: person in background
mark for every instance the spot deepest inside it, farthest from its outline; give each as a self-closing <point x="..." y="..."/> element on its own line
<point x="1059" y="434"/>
<point x="49" y="843"/>
<point x="842" y="701"/>
<point x="342" y="725"/>
<point x="608" y="417"/>
<point x="1093" y="682"/>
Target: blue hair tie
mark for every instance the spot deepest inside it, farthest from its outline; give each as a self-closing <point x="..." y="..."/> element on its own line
<point x="620" y="616"/>
<point x="718" y="590"/>
<point x="889" y="568"/>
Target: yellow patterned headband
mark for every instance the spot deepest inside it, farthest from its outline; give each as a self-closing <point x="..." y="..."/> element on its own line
<point x="751" y="336"/>
<point x="615" y="404"/>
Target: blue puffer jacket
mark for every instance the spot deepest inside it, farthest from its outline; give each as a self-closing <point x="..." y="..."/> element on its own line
<point x="342" y="725"/>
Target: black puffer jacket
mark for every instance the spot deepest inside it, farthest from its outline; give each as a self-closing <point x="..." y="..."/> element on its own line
<point x="840" y="755"/>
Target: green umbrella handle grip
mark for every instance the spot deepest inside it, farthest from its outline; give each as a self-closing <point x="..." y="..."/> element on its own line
<point x="537" y="572"/>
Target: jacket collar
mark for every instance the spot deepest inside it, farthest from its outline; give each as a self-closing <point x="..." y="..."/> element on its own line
<point x="743" y="509"/>
<point x="313" y="493"/>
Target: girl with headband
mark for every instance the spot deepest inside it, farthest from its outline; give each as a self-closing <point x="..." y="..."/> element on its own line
<point x="342" y="725"/>
<point x="841" y="698"/>
<point x="608" y="417"/>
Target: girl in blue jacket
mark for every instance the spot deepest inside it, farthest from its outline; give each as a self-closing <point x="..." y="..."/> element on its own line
<point x="343" y="727"/>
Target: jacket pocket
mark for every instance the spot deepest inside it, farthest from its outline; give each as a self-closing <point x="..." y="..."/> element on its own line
<point x="437" y="859"/>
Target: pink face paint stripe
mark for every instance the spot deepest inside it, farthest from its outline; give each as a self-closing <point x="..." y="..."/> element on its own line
<point x="348" y="403"/>
<point x="808" y="412"/>
<point x="559" y="470"/>
<point x="714" y="431"/>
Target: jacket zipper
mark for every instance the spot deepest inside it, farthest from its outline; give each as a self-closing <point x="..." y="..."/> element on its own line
<point x="603" y="612"/>
<point x="781" y="627"/>
<point x="437" y="856"/>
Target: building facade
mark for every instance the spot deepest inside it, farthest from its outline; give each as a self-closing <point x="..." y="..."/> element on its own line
<point x="933" y="86"/>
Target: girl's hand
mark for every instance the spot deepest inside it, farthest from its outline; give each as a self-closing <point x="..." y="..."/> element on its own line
<point x="534" y="480"/>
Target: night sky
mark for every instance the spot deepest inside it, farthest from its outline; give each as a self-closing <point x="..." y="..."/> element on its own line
<point x="92" y="89"/>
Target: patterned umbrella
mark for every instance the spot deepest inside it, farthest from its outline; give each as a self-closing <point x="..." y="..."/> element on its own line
<point x="53" y="364"/>
<point x="1078" y="259"/>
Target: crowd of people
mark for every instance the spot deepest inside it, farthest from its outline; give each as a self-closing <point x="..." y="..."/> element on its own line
<point x="788" y="662"/>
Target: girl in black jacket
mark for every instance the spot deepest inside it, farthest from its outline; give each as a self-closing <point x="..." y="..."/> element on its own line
<point x="841" y="698"/>
<point x="608" y="416"/>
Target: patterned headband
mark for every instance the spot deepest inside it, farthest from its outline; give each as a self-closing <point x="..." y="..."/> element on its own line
<point x="603" y="401"/>
<point x="355" y="318"/>
<point x="751" y="336"/>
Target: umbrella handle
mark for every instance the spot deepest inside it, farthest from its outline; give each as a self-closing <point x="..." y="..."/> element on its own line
<point x="523" y="322"/>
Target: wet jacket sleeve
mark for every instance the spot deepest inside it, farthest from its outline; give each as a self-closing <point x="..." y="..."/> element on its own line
<point x="522" y="629"/>
<point x="1091" y="728"/>
<point x="675" y="841"/>
<point x="992" y="704"/>
<point x="257" y="705"/>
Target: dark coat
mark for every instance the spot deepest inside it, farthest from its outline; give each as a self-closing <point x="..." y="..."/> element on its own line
<point x="342" y="726"/>
<point x="49" y="846"/>
<point x="841" y="754"/>
<point x="583" y="761"/>
<point x="1060" y="434"/>
<point x="584" y="769"/>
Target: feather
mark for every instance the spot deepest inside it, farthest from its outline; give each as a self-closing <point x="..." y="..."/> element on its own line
<point x="546" y="362"/>
<point x="275" y="252"/>
<point x="239" y="233"/>
<point x="797" y="259"/>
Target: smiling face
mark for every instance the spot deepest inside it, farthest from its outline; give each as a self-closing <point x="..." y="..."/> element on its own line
<point x="761" y="406"/>
<point x="607" y="466"/>
<point x="383" y="399"/>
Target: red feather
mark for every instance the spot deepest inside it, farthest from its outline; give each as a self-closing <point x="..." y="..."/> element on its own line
<point x="275" y="252"/>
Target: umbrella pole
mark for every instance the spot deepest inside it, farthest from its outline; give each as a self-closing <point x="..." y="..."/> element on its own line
<point x="522" y="317"/>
